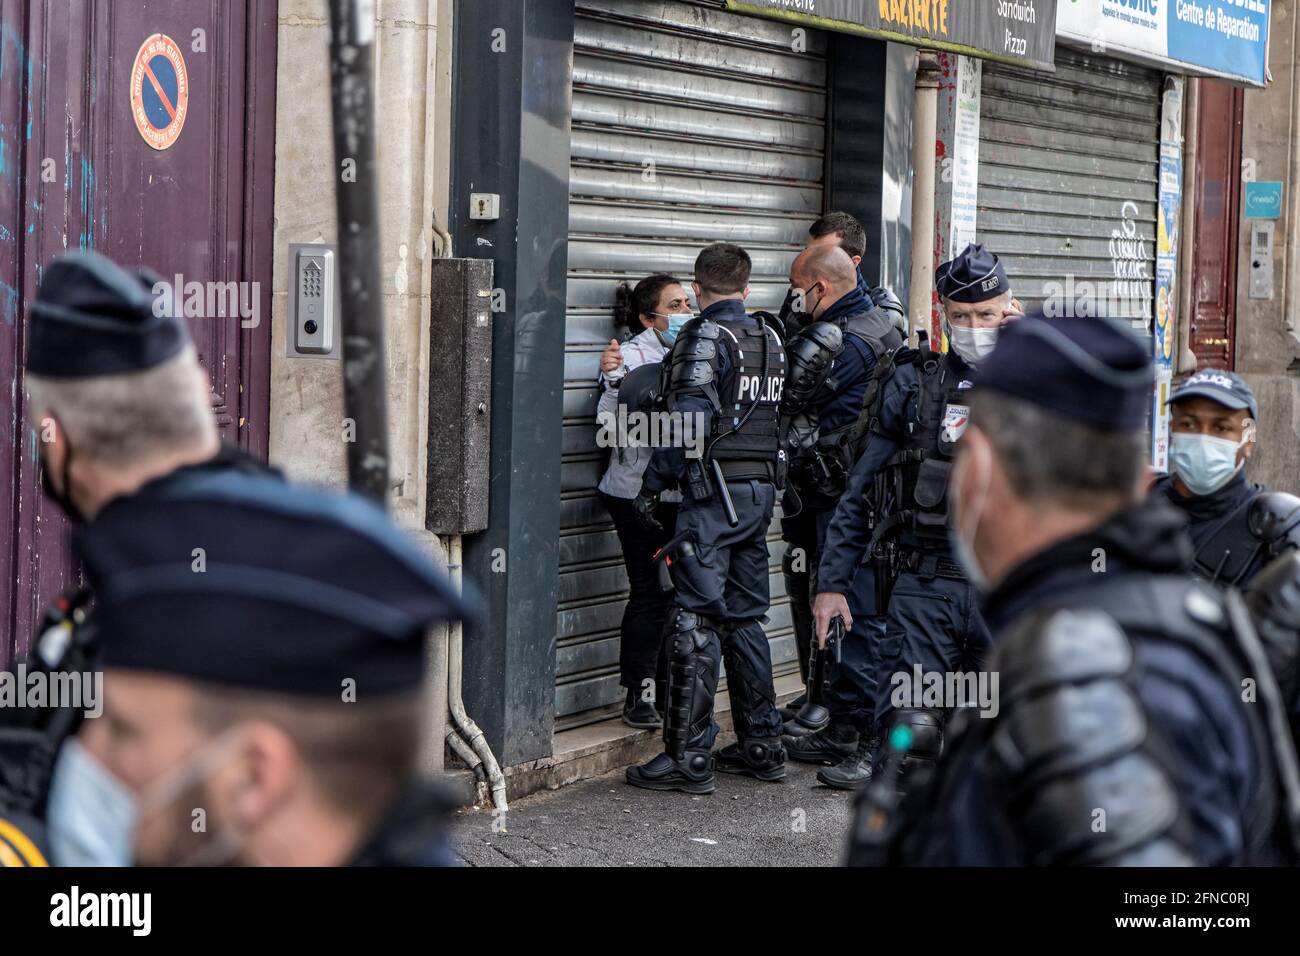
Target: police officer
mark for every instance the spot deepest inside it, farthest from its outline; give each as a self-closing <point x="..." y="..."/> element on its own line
<point x="117" y="402"/>
<point x="117" y="396"/>
<point x="829" y="390"/>
<point x="895" y="513"/>
<point x="841" y="229"/>
<point x="838" y="230"/>
<point x="263" y="658"/>
<point x="726" y="369"/>
<point x="1118" y="734"/>
<point x="1237" y="527"/>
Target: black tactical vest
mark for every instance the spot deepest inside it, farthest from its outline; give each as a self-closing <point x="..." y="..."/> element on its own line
<point x="746" y="438"/>
<point x="823" y="459"/>
<point x="875" y="329"/>
<point x="1259" y="529"/>
<point x="916" y="477"/>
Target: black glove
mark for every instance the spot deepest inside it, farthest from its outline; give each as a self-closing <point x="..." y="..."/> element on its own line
<point x="644" y="505"/>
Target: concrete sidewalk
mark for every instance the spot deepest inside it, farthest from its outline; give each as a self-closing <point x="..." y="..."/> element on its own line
<point x="604" y="822"/>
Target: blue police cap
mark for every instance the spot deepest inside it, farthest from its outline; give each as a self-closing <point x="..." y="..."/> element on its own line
<point x="92" y="317"/>
<point x="245" y="580"/>
<point x="1092" y="371"/>
<point x="1227" y="388"/>
<point x="974" y="276"/>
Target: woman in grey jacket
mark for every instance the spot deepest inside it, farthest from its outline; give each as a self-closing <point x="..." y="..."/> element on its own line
<point x="654" y="311"/>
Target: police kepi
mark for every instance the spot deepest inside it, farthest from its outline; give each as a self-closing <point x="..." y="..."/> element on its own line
<point x="263" y="651"/>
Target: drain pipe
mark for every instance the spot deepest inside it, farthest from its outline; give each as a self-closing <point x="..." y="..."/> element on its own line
<point x="473" y="738"/>
<point x="920" y="294"/>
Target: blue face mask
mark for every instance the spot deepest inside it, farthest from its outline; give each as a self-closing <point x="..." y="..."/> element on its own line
<point x="92" y="815"/>
<point x="1204" y="463"/>
<point x="675" y="323"/>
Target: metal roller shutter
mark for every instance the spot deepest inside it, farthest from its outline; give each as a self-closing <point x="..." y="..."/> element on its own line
<point x="690" y="125"/>
<point x="1068" y="178"/>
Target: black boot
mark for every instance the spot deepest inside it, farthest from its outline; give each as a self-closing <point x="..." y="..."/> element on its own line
<point x="854" y="770"/>
<point x="761" y="758"/>
<point x="810" y="719"/>
<point x="791" y="710"/>
<point x="640" y="713"/>
<point x="828" y="746"/>
<point x="692" y="774"/>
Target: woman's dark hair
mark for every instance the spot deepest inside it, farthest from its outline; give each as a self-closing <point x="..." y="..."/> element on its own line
<point x="630" y="304"/>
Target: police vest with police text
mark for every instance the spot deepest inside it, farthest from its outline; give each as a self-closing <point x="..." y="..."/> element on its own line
<point x="745" y="438"/>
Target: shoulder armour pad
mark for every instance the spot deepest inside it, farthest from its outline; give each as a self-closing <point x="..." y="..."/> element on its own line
<point x="1066" y="728"/>
<point x="1274" y="603"/>
<point x="1274" y="516"/>
<point x="699" y="328"/>
<point x="1049" y="649"/>
<point x="1061" y="822"/>
<point x="886" y="301"/>
<point x="695" y="354"/>
<point x="808" y="360"/>
<point x="826" y="335"/>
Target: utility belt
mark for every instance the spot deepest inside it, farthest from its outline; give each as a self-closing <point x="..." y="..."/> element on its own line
<point x="929" y="564"/>
<point x="705" y="480"/>
<point x="891" y="554"/>
<point x="749" y="471"/>
<point x="819" y="474"/>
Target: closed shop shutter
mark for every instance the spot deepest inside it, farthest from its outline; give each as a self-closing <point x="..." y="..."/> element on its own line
<point x="691" y="125"/>
<point x="1068" y="181"/>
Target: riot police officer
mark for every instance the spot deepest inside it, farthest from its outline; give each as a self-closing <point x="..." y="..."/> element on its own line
<point x="1237" y="527"/>
<point x="727" y="370"/>
<point x="895" y="512"/>
<point x="1118" y="734"/>
<point x="829" y="387"/>
<point x="837" y="230"/>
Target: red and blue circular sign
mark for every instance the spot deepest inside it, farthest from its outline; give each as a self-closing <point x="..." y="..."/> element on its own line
<point x="160" y="91"/>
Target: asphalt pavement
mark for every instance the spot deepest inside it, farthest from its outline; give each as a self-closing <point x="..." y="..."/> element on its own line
<point x="605" y="822"/>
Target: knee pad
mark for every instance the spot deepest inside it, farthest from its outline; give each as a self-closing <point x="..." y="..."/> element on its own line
<point x="919" y="733"/>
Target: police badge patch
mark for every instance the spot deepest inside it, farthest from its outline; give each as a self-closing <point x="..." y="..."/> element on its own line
<point x="955" y="418"/>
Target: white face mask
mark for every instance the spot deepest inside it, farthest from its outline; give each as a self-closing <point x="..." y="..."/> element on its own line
<point x="1204" y="463"/>
<point x="972" y="344"/>
<point x="964" y="531"/>
<point x="93" y="815"/>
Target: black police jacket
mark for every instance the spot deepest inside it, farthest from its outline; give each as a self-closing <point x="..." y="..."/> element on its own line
<point x="1202" y="789"/>
<point x="413" y="831"/>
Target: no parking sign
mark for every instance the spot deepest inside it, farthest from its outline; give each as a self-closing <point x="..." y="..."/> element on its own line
<point x="160" y="91"/>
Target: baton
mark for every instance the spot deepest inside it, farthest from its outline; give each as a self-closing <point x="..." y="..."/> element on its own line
<point x="725" y="494"/>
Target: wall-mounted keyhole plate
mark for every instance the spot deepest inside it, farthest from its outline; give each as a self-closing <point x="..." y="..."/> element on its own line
<point x="484" y="206"/>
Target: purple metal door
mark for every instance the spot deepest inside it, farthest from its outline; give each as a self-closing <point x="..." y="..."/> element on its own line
<point x="78" y="170"/>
